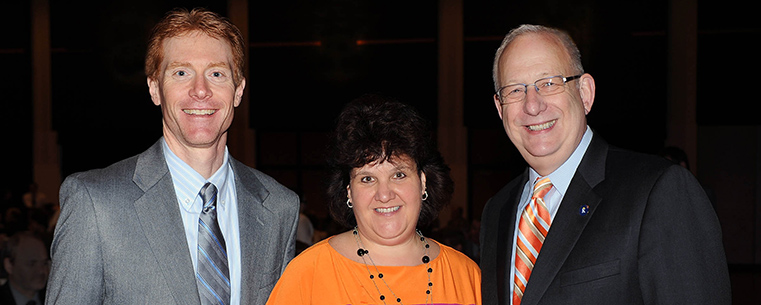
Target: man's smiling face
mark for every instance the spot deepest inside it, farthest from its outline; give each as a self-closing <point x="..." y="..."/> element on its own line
<point x="196" y="90"/>
<point x="545" y="129"/>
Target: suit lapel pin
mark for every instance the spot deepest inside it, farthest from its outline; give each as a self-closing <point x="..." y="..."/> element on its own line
<point x="583" y="210"/>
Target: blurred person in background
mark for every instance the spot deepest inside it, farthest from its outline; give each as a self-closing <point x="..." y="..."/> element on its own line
<point x="26" y="262"/>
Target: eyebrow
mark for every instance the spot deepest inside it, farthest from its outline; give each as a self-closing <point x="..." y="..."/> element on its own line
<point x="173" y="65"/>
<point x="541" y="76"/>
<point x="397" y="167"/>
<point x="218" y="65"/>
<point x="403" y="167"/>
<point x="187" y="64"/>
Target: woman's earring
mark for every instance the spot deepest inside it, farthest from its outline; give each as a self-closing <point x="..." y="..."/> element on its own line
<point x="348" y="203"/>
<point x="425" y="195"/>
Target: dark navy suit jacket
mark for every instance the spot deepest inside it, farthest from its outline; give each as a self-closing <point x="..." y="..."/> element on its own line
<point x="6" y="296"/>
<point x="650" y="236"/>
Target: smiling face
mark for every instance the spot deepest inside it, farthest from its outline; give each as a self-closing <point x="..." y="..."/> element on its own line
<point x="196" y="92"/>
<point x="545" y="129"/>
<point x="387" y="198"/>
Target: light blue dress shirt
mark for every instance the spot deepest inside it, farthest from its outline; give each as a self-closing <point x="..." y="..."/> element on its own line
<point x="561" y="179"/>
<point x="187" y="184"/>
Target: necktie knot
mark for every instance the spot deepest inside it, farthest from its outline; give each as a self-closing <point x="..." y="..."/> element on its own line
<point x="209" y="196"/>
<point x="541" y="188"/>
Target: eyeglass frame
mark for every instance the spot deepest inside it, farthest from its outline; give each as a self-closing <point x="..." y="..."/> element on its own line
<point x="525" y="87"/>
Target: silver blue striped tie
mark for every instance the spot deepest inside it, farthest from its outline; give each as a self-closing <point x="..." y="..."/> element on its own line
<point x="213" y="276"/>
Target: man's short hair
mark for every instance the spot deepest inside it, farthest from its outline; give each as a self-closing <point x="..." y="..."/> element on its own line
<point x="181" y="21"/>
<point x="562" y="36"/>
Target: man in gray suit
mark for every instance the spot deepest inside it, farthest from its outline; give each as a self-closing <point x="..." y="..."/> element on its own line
<point x="140" y="231"/>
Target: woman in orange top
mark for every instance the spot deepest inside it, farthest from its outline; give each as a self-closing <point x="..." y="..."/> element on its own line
<point x="387" y="179"/>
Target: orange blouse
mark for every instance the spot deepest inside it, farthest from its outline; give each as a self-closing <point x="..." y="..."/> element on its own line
<point x="320" y="275"/>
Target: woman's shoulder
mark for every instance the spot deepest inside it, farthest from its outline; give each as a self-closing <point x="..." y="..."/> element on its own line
<point x="455" y="258"/>
<point x="316" y="250"/>
<point x="321" y="252"/>
<point x="310" y="256"/>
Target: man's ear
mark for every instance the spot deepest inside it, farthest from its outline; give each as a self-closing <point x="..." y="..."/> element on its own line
<point x="153" y="90"/>
<point x="8" y="266"/>
<point x="587" y="92"/>
<point x="498" y="104"/>
<point x="239" y="92"/>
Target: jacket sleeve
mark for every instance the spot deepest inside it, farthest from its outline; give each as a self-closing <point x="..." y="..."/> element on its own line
<point x="290" y="249"/>
<point x="76" y="276"/>
<point x="681" y="256"/>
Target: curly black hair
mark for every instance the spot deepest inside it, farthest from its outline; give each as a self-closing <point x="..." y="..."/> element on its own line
<point x="378" y="128"/>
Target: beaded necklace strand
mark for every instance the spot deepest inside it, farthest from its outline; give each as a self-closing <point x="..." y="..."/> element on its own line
<point x="362" y="252"/>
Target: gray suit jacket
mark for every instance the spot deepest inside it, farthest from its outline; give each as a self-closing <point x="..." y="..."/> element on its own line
<point x="120" y="238"/>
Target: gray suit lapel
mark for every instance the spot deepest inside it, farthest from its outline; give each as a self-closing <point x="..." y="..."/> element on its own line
<point x="158" y="213"/>
<point x="252" y="216"/>
<point x="568" y="223"/>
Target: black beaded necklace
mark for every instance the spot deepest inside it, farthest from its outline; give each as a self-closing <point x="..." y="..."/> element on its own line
<point x="362" y="252"/>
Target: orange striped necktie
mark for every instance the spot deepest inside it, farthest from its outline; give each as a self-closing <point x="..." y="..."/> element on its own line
<point x="532" y="228"/>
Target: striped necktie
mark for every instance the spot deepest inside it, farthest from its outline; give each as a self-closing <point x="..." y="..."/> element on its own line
<point x="213" y="276"/>
<point x="532" y="229"/>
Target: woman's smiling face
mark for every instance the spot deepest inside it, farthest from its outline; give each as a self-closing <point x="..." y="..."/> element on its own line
<point x="387" y="197"/>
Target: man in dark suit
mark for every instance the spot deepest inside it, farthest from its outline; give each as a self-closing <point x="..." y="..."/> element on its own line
<point x="25" y="259"/>
<point x="182" y="222"/>
<point x="602" y="225"/>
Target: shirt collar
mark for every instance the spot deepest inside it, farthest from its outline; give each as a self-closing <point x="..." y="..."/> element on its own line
<point x="188" y="182"/>
<point x="561" y="177"/>
<point x="21" y="298"/>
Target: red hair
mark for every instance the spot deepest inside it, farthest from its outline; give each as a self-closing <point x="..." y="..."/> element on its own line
<point x="181" y="21"/>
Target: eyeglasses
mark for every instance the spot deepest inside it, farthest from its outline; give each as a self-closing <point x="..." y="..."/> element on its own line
<point x="544" y="86"/>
